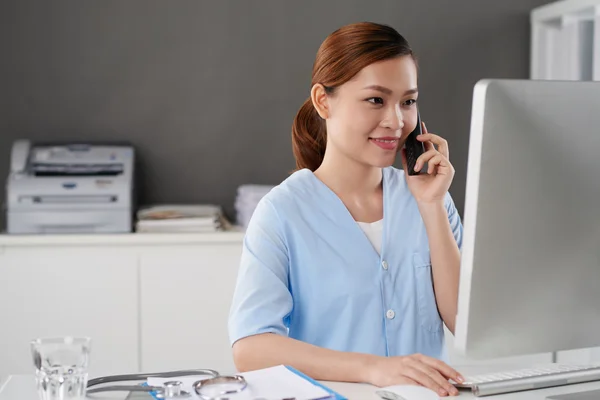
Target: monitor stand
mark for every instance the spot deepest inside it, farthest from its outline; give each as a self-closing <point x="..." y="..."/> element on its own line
<point x="587" y="395"/>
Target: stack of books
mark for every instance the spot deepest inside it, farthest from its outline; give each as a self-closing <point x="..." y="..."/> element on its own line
<point x="181" y="218"/>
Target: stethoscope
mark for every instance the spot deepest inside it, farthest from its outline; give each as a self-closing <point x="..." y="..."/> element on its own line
<point x="215" y="384"/>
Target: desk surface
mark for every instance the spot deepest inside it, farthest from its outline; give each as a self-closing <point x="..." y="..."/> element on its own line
<point x="22" y="387"/>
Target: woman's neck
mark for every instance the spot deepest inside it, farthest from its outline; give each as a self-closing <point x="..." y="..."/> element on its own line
<point x="348" y="177"/>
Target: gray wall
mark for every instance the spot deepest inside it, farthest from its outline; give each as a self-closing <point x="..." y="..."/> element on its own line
<point x="207" y="90"/>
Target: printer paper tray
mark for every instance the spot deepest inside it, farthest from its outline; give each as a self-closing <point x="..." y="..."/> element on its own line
<point x="71" y="199"/>
<point x="70" y="221"/>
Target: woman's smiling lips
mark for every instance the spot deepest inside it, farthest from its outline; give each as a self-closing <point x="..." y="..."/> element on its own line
<point x="386" y="142"/>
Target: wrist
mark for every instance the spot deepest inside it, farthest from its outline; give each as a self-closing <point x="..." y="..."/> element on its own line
<point x="433" y="213"/>
<point x="434" y="205"/>
<point x="367" y="367"/>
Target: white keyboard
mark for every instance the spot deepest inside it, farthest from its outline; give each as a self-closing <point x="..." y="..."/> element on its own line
<point x="531" y="378"/>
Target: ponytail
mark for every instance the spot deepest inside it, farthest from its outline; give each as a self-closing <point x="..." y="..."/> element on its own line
<point x="309" y="137"/>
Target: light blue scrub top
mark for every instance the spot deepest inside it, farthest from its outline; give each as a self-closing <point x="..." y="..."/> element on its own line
<point x="309" y="271"/>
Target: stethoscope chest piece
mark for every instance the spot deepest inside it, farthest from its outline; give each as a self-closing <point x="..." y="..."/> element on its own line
<point x="173" y="390"/>
<point x="220" y="387"/>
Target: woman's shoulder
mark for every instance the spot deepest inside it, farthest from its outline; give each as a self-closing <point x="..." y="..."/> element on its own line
<point x="297" y="190"/>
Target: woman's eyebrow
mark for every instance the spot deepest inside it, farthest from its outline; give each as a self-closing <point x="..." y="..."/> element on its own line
<point x="387" y="91"/>
<point x="379" y="89"/>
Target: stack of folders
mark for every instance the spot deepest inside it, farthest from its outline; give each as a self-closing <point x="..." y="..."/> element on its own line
<point x="246" y="201"/>
<point x="181" y="218"/>
<point x="281" y="382"/>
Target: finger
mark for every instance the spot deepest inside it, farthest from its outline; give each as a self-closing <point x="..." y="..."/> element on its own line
<point x="439" y="164"/>
<point x="415" y="373"/>
<point x="423" y="158"/>
<point x="440" y="142"/>
<point x="444" y="369"/>
<point x="438" y="378"/>
<point x="436" y="161"/>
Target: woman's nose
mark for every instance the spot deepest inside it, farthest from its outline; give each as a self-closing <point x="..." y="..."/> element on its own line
<point x="394" y="119"/>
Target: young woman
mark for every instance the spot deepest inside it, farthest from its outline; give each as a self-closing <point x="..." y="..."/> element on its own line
<point x="350" y="266"/>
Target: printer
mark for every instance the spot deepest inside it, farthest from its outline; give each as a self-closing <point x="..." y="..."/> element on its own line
<point x="70" y="188"/>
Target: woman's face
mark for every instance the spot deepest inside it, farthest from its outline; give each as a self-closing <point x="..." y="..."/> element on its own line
<point x="370" y="116"/>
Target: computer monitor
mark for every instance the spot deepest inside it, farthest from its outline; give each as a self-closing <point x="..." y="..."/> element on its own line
<point x="530" y="267"/>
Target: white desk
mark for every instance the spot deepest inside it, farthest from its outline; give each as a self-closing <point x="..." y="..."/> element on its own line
<point x="22" y="387"/>
<point x="365" y="392"/>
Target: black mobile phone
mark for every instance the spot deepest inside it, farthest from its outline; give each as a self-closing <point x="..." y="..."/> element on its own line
<point x="414" y="148"/>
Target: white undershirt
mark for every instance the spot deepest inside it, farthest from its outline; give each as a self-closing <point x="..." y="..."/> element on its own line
<point x="374" y="232"/>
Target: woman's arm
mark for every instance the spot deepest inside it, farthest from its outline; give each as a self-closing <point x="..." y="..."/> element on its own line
<point x="269" y="349"/>
<point x="445" y="260"/>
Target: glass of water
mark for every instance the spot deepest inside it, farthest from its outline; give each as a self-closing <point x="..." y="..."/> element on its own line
<point x="61" y="367"/>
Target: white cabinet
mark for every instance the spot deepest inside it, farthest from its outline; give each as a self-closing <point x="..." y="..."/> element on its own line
<point x="148" y="301"/>
<point x="58" y="291"/>
<point x="186" y="293"/>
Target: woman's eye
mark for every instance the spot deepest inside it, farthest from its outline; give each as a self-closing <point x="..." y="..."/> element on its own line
<point x="375" y="100"/>
<point x="410" y="102"/>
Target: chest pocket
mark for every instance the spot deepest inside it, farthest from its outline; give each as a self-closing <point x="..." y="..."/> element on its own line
<point x="429" y="316"/>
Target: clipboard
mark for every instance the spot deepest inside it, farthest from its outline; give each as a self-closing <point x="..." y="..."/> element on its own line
<point x="273" y="383"/>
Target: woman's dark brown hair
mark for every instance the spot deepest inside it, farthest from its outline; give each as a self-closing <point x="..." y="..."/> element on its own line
<point x="341" y="56"/>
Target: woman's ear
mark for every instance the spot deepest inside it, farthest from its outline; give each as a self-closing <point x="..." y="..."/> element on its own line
<point x="319" y="100"/>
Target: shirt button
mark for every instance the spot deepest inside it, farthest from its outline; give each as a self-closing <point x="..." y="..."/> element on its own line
<point x="384" y="265"/>
<point x="390" y="314"/>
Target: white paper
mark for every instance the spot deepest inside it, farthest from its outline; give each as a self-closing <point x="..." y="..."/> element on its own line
<point x="275" y="383"/>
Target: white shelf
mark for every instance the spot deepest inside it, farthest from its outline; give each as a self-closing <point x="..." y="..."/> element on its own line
<point x="565" y="41"/>
<point x="560" y="8"/>
<point x="128" y="239"/>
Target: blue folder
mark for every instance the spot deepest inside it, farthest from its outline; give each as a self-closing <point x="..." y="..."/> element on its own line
<point x="335" y="396"/>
